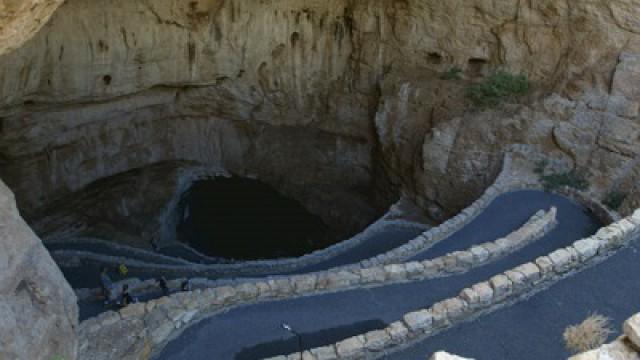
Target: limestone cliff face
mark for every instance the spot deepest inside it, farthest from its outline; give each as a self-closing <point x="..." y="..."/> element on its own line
<point x="333" y="102"/>
<point x="21" y="19"/>
<point x="38" y="311"/>
<point x="300" y="93"/>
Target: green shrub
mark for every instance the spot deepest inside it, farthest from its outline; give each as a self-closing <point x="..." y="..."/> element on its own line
<point x="541" y="166"/>
<point x="572" y="179"/>
<point x="452" y="74"/>
<point x="614" y="199"/>
<point x="497" y="88"/>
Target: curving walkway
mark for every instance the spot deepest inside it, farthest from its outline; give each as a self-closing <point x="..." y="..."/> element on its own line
<point x="105" y="248"/>
<point x="532" y="329"/>
<point x="380" y="241"/>
<point x="87" y="275"/>
<point x="506" y="213"/>
<point x="254" y="332"/>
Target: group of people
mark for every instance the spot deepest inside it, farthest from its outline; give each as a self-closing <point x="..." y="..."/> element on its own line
<point x="109" y="291"/>
<point x="125" y="298"/>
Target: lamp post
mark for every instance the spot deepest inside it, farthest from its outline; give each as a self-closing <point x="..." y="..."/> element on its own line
<point x="288" y="328"/>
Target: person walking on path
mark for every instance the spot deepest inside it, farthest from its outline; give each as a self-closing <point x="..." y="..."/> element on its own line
<point x="125" y="297"/>
<point x="162" y="283"/>
<point x="107" y="286"/>
<point x="186" y="285"/>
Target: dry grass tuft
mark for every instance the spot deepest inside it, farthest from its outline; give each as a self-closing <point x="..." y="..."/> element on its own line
<point x="588" y="335"/>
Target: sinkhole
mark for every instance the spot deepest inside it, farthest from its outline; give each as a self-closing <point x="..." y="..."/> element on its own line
<point x="240" y="218"/>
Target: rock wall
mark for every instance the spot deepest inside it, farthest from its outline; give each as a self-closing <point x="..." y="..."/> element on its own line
<point x="21" y="19"/>
<point x="301" y="93"/>
<point x="38" y="311"/>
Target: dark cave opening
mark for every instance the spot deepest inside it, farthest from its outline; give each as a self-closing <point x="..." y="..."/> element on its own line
<point x="245" y="219"/>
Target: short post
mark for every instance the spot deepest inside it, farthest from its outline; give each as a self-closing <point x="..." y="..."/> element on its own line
<point x="288" y="328"/>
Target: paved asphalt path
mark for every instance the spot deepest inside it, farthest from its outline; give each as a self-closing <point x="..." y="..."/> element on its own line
<point x="505" y="214"/>
<point x="105" y="249"/>
<point x="185" y="253"/>
<point x="87" y="275"/>
<point x="254" y="331"/>
<point x="532" y="329"/>
<point x="386" y="239"/>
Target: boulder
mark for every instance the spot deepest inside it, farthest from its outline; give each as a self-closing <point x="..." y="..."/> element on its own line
<point x="441" y="355"/>
<point x="617" y="350"/>
<point x="631" y="329"/>
<point x="38" y="311"/>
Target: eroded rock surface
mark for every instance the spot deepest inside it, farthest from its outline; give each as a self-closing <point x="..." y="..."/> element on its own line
<point x="38" y="311"/>
<point x="332" y="102"/>
<point x="301" y="93"/>
<point x="21" y="19"/>
<point x="441" y="355"/>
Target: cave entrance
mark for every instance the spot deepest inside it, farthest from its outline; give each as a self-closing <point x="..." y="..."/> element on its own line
<point x="245" y="219"/>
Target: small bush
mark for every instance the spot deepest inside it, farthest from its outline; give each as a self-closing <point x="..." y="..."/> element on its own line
<point x="541" y="166"/>
<point x="588" y="335"/>
<point x="614" y="199"/>
<point x="452" y="74"/>
<point x="572" y="179"/>
<point x="499" y="87"/>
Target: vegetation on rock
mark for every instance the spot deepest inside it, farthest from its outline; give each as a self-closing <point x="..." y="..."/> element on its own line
<point x="454" y="73"/>
<point x="588" y="335"/>
<point x="498" y="88"/>
<point x="574" y="179"/>
<point x="614" y="199"/>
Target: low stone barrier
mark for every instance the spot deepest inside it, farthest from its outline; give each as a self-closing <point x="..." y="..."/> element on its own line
<point x="515" y="175"/>
<point x="160" y="320"/>
<point x="129" y="250"/>
<point x="441" y="355"/>
<point x="604" y="214"/>
<point x="482" y="297"/>
<point x="456" y="262"/>
<point x="251" y="268"/>
<point x="157" y="321"/>
<point x="506" y="181"/>
<point x="626" y="347"/>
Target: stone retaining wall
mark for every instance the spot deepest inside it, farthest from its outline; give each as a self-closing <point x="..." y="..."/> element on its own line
<point x="515" y="175"/>
<point x="505" y="182"/>
<point x="459" y="261"/>
<point x="453" y="263"/>
<point x="604" y="214"/>
<point x="160" y="320"/>
<point x="250" y="268"/>
<point x="482" y="297"/>
<point x="508" y="180"/>
<point x="129" y="250"/>
<point x="156" y="322"/>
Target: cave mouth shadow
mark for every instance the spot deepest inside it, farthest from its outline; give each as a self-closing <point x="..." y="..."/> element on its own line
<point x="308" y="340"/>
<point x="245" y="219"/>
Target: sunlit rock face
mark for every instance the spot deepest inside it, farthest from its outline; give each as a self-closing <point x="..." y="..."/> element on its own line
<point x="38" y="311"/>
<point x="329" y="101"/>
<point x="338" y="104"/>
<point x="21" y="19"/>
